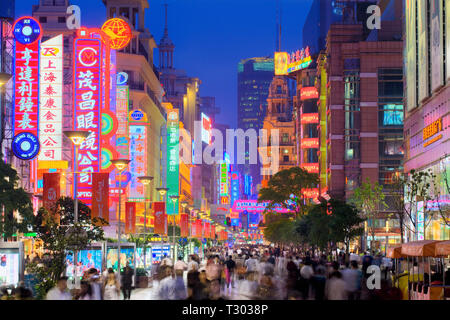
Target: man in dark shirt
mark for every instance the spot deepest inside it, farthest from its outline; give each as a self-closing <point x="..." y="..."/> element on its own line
<point x="231" y="265"/>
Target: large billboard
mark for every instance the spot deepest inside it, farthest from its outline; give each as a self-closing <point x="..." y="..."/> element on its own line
<point x="50" y="99"/>
<point x="423" y="49"/>
<point x="410" y="60"/>
<point x="437" y="44"/>
<point x="173" y="159"/>
<point x="87" y="98"/>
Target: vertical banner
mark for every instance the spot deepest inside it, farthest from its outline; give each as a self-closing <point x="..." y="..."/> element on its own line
<point x="160" y="218"/>
<point x="447" y="32"/>
<point x="411" y="57"/>
<point x="87" y="99"/>
<point x="138" y="157"/>
<point x="100" y="196"/>
<point x="184" y="225"/>
<point x="51" y="191"/>
<point x="173" y="153"/>
<point x="130" y="217"/>
<point x="27" y="33"/>
<point x="50" y="99"/>
<point x="423" y="49"/>
<point x="437" y="44"/>
<point x="213" y="232"/>
<point x="122" y="100"/>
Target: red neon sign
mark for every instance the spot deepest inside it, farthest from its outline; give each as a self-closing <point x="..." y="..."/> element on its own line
<point x="311" y="167"/>
<point x="309" y="143"/>
<point x="310" y="193"/>
<point x="310" y="118"/>
<point x="87" y="98"/>
<point x="309" y="93"/>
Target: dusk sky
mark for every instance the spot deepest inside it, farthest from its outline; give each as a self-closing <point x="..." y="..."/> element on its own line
<point x="211" y="36"/>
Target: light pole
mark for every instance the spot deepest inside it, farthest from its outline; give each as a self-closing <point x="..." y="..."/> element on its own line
<point x="145" y="180"/>
<point x="162" y="192"/>
<point x="77" y="138"/>
<point x="190" y="228"/>
<point x="174" y="200"/>
<point x="183" y="205"/>
<point x="120" y="165"/>
<point x="387" y="237"/>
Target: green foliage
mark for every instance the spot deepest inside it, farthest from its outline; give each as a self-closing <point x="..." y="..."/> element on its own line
<point x="282" y="232"/>
<point x="286" y="183"/>
<point x="13" y="199"/>
<point x="59" y="237"/>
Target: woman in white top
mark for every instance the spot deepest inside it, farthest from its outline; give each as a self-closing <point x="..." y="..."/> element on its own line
<point x="111" y="290"/>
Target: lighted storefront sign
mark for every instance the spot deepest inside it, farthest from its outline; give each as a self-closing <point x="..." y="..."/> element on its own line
<point x="309" y="143"/>
<point x="122" y="139"/>
<point x="173" y="155"/>
<point x="431" y="130"/>
<point x="235" y="195"/>
<point x="312" y="193"/>
<point x="87" y="97"/>
<point x="310" y="167"/>
<point x="138" y="157"/>
<point x="281" y="63"/>
<point x="420" y="221"/>
<point x="254" y="206"/>
<point x="309" y="93"/>
<point x="307" y="118"/>
<point x="223" y="178"/>
<point x="50" y="99"/>
<point x="27" y="33"/>
<point x="118" y="31"/>
<point x="248" y="185"/>
<point x="206" y="129"/>
<point x="286" y="63"/>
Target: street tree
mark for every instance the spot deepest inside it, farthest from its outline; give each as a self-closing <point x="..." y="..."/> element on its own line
<point x="16" y="208"/>
<point x="282" y="232"/>
<point x="369" y="200"/>
<point x="59" y="235"/>
<point x="286" y="189"/>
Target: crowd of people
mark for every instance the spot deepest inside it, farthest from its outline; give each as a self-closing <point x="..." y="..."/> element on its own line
<point x="240" y="273"/>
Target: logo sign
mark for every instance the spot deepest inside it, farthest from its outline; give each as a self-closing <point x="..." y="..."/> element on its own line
<point x="137" y="116"/>
<point x="27" y="30"/>
<point x="50" y="99"/>
<point x="87" y="116"/>
<point x="119" y="33"/>
<point x="25" y="146"/>
<point x="309" y="93"/>
<point x="281" y="63"/>
<point x="122" y="78"/>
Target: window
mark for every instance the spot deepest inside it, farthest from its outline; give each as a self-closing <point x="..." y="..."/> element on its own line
<point x="61" y="19"/>
<point x="286" y="158"/>
<point x="43" y="19"/>
<point x="285" y="138"/>
<point x="391" y="115"/>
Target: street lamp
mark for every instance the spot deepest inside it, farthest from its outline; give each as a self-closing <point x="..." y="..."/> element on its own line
<point x="174" y="200"/>
<point x="145" y="180"/>
<point x="183" y="205"/>
<point x="77" y="138"/>
<point x="387" y="236"/>
<point x="162" y="192"/>
<point x="120" y="165"/>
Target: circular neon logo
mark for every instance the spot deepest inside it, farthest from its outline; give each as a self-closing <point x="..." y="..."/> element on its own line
<point x="25" y="146"/>
<point x="137" y="115"/>
<point x="27" y="30"/>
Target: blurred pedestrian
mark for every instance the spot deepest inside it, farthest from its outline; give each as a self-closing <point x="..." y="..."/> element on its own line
<point x="127" y="281"/>
<point x="111" y="289"/>
<point x="60" y="291"/>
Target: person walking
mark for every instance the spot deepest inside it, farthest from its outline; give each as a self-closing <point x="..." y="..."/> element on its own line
<point x="352" y="278"/>
<point x="60" y="291"/>
<point x="193" y="264"/>
<point x="111" y="288"/>
<point x="127" y="281"/>
<point x="335" y="287"/>
<point x="180" y="265"/>
<point x="94" y="281"/>
<point x="85" y="292"/>
<point x="229" y="271"/>
<point x="167" y="286"/>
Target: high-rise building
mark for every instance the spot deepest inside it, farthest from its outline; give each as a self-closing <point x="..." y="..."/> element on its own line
<point x="362" y="109"/>
<point x="427" y="110"/>
<point x="254" y="78"/>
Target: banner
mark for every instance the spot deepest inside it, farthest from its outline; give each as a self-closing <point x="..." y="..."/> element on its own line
<point x="130" y="217"/>
<point x="160" y="218"/>
<point x="100" y="196"/>
<point x="173" y="159"/>
<point x="51" y="192"/>
<point x="213" y="232"/>
<point x="198" y="228"/>
<point x="184" y="225"/>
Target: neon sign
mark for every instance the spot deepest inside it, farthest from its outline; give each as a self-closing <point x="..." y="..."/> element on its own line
<point x="173" y="155"/>
<point x="50" y="98"/>
<point x="138" y="164"/>
<point x="307" y="118"/>
<point x="223" y="178"/>
<point x="27" y="33"/>
<point x="309" y="143"/>
<point x="119" y="33"/>
<point x="87" y="98"/>
<point x="235" y="195"/>
<point x="206" y="129"/>
<point x="309" y="93"/>
<point x="310" y="167"/>
<point x="122" y="100"/>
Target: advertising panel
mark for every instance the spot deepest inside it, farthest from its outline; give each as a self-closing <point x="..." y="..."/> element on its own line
<point x="281" y="63"/>
<point x="308" y="143"/>
<point x="51" y="191"/>
<point x="122" y="101"/>
<point x="126" y="256"/>
<point x="307" y="118"/>
<point x="420" y="221"/>
<point x="9" y="266"/>
<point x="423" y="49"/>
<point x="160" y="218"/>
<point x="130" y="217"/>
<point x="307" y="93"/>
<point x="138" y="164"/>
<point x="159" y="251"/>
<point x="173" y="155"/>
<point x="87" y="259"/>
<point x="87" y="98"/>
<point x="235" y="195"/>
<point x="100" y="196"/>
<point x="437" y="44"/>
<point x="411" y="54"/>
<point x="184" y="225"/>
<point x="223" y="178"/>
<point x="50" y="99"/>
<point x="206" y="129"/>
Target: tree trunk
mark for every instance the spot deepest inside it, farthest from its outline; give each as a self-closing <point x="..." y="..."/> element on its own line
<point x="401" y="230"/>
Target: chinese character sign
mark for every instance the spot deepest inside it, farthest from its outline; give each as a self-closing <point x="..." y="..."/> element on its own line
<point x="160" y="218"/>
<point x="100" y="196"/>
<point x="50" y="99"/>
<point x="87" y="92"/>
<point x="122" y="119"/>
<point x="173" y="154"/>
<point x="223" y="178"/>
<point x="51" y="191"/>
<point x="235" y="195"/>
<point x="138" y="156"/>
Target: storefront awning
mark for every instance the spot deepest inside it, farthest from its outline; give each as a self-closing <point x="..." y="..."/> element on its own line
<point x="443" y="248"/>
<point x="424" y="248"/>
<point x="395" y="252"/>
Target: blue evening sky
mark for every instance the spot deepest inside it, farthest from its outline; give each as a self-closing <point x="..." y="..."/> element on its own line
<point x="211" y="36"/>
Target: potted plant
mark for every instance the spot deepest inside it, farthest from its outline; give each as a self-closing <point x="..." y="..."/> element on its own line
<point x="142" y="278"/>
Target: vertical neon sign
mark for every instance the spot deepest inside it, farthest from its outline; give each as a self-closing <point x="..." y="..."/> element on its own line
<point x="27" y="33"/>
<point x="173" y="166"/>
<point x="138" y="154"/>
<point x="50" y="98"/>
<point x="87" y="97"/>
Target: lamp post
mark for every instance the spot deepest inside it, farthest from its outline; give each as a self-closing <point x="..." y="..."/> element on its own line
<point x="190" y="228"/>
<point x="162" y="192"/>
<point x="120" y="165"/>
<point x="387" y="237"/>
<point x="183" y="205"/>
<point x="174" y="200"/>
<point x="145" y="180"/>
<point x="77" y="138"/>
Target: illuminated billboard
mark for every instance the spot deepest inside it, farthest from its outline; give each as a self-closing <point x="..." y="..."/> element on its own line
<point x="307" y="118"/>
<point x="281" y="63"/>
<point x="206" y="129"/>
<point x="308" y="143"/>
<point x="223" y="178"/>
<point x="307" y="93"/>
<point x="235" y="195"/>
<point x="173" y="156"/>
<point x="310" y="167"/>
<point x="138" y="164"/>
<point x="87" y="97"/>
<point x="286" y="63"/>
<point x="50" y="99"/>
